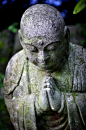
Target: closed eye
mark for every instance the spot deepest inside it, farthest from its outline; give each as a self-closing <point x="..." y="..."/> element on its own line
<point x="52" y="46"/>
<point x="31" y="48"/>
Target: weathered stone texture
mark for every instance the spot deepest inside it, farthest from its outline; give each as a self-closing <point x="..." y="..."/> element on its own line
<point x="45" y="83"/>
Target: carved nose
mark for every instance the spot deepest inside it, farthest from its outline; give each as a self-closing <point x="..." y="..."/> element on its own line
<point x="42" y="56"/>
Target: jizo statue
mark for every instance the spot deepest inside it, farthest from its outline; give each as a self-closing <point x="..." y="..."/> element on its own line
<point x="45" y="83"/>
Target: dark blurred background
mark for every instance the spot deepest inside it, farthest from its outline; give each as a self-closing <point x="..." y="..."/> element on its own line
<point x="10" y="16"/>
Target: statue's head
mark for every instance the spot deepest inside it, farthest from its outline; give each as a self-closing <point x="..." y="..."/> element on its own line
<point x="44" y="36"/>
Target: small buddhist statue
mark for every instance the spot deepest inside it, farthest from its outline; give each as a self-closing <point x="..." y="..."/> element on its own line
<point x="45" y="83"/>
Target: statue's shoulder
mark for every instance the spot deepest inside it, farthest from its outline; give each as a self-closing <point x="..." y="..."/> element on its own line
<point x="77" y="67"/>
<point x="14" y="71"/>
<point x="15" y="63"/>
<point x="77" y="53"/>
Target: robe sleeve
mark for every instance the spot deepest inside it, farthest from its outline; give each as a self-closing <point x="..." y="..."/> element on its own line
<point x="18" y="97"/>
<point x="76" y="100"/>
<point x="76" y="107"/>
<point x="13" y="72"/>
<point x="77" y="67"/>
<point x="80" y="99"/>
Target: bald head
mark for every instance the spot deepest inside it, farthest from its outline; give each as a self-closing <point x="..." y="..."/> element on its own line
<point x="42" y="20"/>
<point x="44" y="36"/>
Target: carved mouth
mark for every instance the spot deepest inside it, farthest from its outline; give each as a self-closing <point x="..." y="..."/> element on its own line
<point x="49" y="68"/>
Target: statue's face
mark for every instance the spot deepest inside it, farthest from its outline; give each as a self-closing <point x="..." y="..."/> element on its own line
<point x="42" y="37"/>
<point x="46" y="54"/>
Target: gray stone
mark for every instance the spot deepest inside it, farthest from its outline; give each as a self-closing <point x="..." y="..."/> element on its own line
<point x="45" y="83"/>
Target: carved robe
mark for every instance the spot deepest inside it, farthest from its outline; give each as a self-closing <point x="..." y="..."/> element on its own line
<point x="22" y="86"/>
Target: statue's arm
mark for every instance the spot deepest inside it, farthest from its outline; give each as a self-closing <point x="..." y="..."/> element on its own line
<point x="11" y="84"/>
<point x="13" y="72"/>
<point x="77" y="66"/>
<point x="18" y="99"/>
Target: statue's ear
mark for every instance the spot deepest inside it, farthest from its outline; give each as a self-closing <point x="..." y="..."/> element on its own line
<point x="67" y="34"/>
<point x="20" y="36"/>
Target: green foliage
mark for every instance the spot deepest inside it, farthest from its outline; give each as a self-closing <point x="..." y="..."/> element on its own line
<point x="2" y="105"/>
<point x="80" y="6"/>
<point x="83" y="25"/>
<point x="83" y="42"/>
<point x="84" y="28"/>
<point x="4" y="60"/>
<point x="1" y="45"/>
<point x="71" y="35"/>
<point x="1" y="80"/>
<point x="13" y="27"/>
<point x="5" y="123"/>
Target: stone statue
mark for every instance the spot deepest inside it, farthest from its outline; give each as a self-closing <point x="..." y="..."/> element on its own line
<point x="45" y="83"/>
